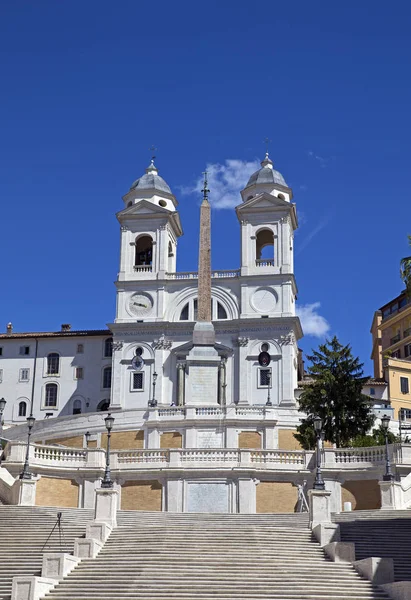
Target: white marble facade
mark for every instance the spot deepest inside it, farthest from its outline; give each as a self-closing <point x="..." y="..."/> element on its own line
<point x="252" y="305"/>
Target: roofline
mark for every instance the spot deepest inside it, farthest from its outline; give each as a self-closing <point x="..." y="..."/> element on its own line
<point x="54" y="334"/>
<point x="403" y="293"/>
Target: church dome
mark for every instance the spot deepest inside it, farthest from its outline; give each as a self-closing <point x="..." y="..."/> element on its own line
<point x="266" y="175"/>
<point x="151" y="181"/>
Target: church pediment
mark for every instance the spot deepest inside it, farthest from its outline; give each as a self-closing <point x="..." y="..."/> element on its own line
<point x="144" y="207"/>
<point x="263" y="200"/>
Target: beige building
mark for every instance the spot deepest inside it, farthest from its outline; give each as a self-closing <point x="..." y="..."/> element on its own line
<point x="391" y="351"/>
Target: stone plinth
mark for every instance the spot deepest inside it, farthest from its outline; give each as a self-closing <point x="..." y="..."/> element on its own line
<point x="377" y="570"/>
<point x="320" y="512"/>
<point x="24" y="491"/>
<point x="400" y="590"/>
<point x="87" y="547"/>
<point x="202" y="379"/>
<point x="31" y="587"/>
<point x="340" y="551"/>
<point x="106" y="506"/>
<point x="98" y="530"/>
<point x="57" y="565"/>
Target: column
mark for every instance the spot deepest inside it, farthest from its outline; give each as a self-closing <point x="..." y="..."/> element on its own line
<point x="180" y="384"/>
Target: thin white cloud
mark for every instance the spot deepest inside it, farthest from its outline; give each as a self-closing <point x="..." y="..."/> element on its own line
<point x="312" y="322"/>
<point x="320" y="159"/>
<point x="323" y="223"/>
<point x="225" y="181"/>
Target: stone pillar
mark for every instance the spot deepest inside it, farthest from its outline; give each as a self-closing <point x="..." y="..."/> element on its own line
<point x="181" y="372"/>
<point x="174" y="492"/>
<point x="390" y="495"/>
<point x="247" y="496"/>
<point x="106" y="506"/>
<point x="223" y="382"/>
<point x="57" y="565"/>
<point x="31" y="587"/>
<point x="24" y="491"/>
<point x="319" y="503"/>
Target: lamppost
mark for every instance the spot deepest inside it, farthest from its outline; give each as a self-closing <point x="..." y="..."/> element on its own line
<point x="268" y="403"/>
<point x="385" y="424"/>
<point x="107" y="482"/>
<point x="25" y="474"/>
<point x="2" y="407"/>
<point x="153" y="401"/>
<point x="319" y="483"/>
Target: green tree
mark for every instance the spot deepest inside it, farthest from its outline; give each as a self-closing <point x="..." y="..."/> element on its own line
<point x="335" y="395"/>
<point x="376" y="438"/>
<point x="405" y="270"/>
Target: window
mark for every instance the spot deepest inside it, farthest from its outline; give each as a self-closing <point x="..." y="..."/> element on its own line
<point x="1" y="375"/>
<point x="137" y="381"/>
<point x="405" y="389"/>
<point x="265" y="246"/>
<point x="107" y="377"/>
<point x="79" y="373"/>
<point x="407" y="350"/>
<point x="144" y="251"/>
<point x="53" y="363"/>
<point x="184" y="313"/>
<point x="405" y="413"/>
<point x="80" y="348"/>
<point x="103" y="405"/>
<point x="108" y="348"/>
<point x="50" y="400"/>
<point x="396" y="353"/>
<point x="221" y="312"/>
<point x="22" y="408"/>
<point x="265" y="377"/>
<point x="372" y="391"/>
<point x="1" y="351"/>
<point x="24" y="350"/>
<point x="24" y="374"/>
<point x="77" y="407"/>
<point x="402" y="302"/>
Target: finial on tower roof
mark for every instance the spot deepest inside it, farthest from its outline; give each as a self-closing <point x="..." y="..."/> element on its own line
<point x="205" y="189"/>
<point x="267" y="162"/>
<point x="152" y="167"/>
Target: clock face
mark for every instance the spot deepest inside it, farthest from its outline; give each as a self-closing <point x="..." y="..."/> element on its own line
<point x="140" y="304"/>
<point x="264" y="301"/>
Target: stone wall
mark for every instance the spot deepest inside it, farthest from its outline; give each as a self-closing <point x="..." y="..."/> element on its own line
<point x="71" y="442"/>
<point x="53" y="491"/>
<point x="287" y="441"/>
<point x="249" y="439"/>
<point x="363" y="495"/>
<point x="276" y="497"/>
<point x="124" y="440"/>
<point x="171" y="439"/>
<point x="141" y="495"/>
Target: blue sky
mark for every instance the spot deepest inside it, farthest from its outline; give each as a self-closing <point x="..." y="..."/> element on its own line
<point x="88" y="87"/>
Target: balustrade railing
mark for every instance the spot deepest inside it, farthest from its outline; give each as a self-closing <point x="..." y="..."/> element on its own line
<point x="52" y="453"/>
<point x="264" y="262"/>
<point x="282" y="457"/>
<point x="373" y="455"/>
<point x="209" y="411"/>
<point x="143" y="268"/>
<point x="211" y="455"/>
<point x="221" y="274"/>
<point x="142" y="456"/>
<point x="171" y="412"/>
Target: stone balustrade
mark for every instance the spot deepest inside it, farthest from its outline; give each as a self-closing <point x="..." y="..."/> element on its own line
<point x="256" y="412"/>
<point x="61" y="458"/>
<point x="221" y="274"/>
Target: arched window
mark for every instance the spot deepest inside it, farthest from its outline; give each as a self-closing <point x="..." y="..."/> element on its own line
<point x="184" y="313"/>
<point x="77" y="407"/>
<point x="129" y="203"/>
<point x="265" y="245"/>
<point x="22" y="408"/>
<point x="103" y="405"/>
<point x="50" y="400"/>
<point x="281" y="196"/>
<point x="221" y="311"/>
<point x="53" y="363"/>
<point x="107" y="378"/>
<point x="144" y="251"/>
<point x="108" y="348"/>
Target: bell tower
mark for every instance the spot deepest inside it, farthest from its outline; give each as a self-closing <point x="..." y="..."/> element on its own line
<point x="150" y="227"/>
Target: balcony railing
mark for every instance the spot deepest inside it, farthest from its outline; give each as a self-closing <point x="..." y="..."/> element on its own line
<point x="407" y="332"/>
<point x="265" y="262"/>
<point x="194" y="274"/>
<point x="143" y="268"/>
<point x="395" y="339"/>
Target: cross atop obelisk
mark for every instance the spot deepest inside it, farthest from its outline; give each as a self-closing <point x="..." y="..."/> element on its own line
<point x="204" y="331"/>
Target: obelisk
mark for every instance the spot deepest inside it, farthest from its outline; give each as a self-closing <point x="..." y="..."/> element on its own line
<point x="203" y="359"/>
<point x="203" y="334"/>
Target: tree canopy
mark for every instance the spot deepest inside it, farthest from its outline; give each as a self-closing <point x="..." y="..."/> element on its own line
<point x="335" y="395"/>
<point x="405" y="270"/>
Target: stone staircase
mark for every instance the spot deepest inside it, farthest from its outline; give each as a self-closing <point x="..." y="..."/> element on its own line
<point x="23" y="533"/>
<point x="385" y="533"/>
<point x="159" y="556"/>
